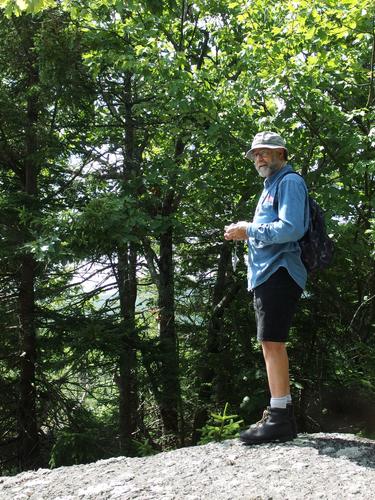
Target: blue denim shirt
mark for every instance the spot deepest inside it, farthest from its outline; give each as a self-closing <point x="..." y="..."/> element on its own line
<point x="276" y="228"/>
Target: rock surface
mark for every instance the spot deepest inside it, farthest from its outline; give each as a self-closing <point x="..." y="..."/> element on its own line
<point x="313" y="466"/>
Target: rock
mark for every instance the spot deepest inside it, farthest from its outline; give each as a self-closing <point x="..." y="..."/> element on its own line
<point x="313" y="466"/>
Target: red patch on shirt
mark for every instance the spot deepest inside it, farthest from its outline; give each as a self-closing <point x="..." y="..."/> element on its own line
<point x="268" y="199"/>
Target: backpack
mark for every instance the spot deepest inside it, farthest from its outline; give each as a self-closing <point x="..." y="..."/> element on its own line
<point x="316" y="246"/>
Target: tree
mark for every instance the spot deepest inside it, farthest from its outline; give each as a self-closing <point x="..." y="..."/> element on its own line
<point x="29" y="147"/>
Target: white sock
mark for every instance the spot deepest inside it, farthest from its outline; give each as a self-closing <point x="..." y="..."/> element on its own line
<point x="289" y="400"/>
<point x="279" y="402"/>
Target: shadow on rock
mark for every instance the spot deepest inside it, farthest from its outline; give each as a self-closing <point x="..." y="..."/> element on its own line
<point x="358" y="450"/>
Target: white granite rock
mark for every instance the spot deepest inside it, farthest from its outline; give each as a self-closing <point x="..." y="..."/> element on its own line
<point x="314" y="466"/>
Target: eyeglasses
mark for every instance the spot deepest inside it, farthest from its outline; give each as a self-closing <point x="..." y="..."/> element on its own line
<point x="261" y="153"/>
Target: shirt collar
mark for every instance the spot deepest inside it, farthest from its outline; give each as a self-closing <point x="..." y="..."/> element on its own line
<point x="269" y="181"/>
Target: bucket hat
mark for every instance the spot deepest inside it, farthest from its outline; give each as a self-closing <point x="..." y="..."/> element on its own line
<point x="266" y="139"/>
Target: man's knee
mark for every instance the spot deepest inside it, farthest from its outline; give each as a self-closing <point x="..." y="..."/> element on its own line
<point x="273" y="348"/>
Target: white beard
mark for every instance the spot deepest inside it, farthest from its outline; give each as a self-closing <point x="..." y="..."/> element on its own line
<point x="267" y="171"/>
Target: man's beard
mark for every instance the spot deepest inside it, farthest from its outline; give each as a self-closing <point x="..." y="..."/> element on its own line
<point x="268" y="170"/>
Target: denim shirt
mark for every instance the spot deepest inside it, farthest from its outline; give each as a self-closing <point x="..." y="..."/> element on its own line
<point x="276" y="228"/>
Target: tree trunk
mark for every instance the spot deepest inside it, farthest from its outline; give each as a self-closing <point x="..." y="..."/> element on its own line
<point x="28" y="438"/>
<point x="210" y="372"/>
<point x="170" y="403"/>
<point x="127" y="382"/>
<point x="27" y="414"/>
<point x="169" y="374"/>
<point x="127" y="272"/>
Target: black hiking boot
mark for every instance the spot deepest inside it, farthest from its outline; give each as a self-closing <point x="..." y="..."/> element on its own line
<point x="275" y="425"/>
<point x="292" y="419"/>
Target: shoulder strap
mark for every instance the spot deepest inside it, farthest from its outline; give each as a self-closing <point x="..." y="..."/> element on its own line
<point x="278" y="182"/>
<point x="282" y="177"/>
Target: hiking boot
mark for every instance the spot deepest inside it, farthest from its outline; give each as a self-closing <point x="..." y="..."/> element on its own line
<point x="292" y="419"/>
<point x="275" y="425"/>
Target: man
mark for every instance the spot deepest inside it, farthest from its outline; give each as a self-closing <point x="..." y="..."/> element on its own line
<point x="277" y="275"/>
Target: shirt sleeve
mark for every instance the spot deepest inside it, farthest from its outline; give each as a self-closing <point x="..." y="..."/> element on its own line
<point x="291" y="216"/>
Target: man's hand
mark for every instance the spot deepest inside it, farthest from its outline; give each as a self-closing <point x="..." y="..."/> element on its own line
<point x="236" y="231"/>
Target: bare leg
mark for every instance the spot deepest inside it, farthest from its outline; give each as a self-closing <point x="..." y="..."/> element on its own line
<point x="276" y="424"/>
<point x="277" y="365"/>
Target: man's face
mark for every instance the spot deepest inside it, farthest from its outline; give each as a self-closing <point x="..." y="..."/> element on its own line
<point x="267" y="161"/>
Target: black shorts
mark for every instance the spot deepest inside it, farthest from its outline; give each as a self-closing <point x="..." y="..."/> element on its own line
<point x="275" y="302"/>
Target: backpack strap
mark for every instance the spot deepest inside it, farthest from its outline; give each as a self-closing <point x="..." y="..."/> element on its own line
<point x="277" y="186"/>
<point x="278" y="182"/>
<point x="275" y="200"/>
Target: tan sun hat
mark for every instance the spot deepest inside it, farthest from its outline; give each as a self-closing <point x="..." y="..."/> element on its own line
<point x="267" y="139"/>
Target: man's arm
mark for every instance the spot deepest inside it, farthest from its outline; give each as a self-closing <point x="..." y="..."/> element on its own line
<point x="290" y="225"/>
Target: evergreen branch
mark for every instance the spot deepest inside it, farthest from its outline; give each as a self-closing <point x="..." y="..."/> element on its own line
<point x="359" y="309"/>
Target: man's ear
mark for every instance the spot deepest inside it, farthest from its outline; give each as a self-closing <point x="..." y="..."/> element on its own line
<point x="281" y="153"/>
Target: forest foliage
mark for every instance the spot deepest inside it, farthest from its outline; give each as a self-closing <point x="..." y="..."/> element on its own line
<point x="123" y="127"/>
